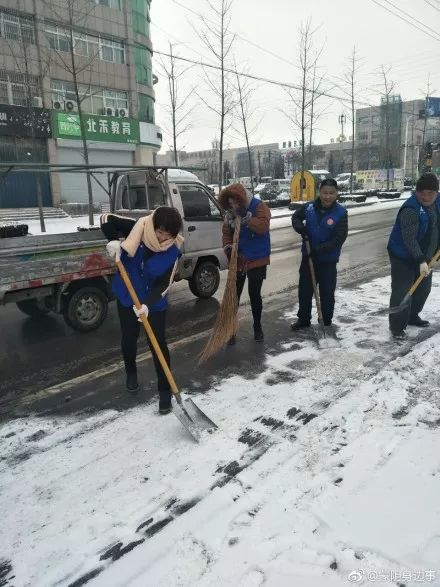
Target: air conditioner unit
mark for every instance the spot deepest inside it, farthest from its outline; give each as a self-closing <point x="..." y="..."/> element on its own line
<point x="108" y="111"/>
<point x="58" y="104"/>
<point x="122" y="112"/>
<point x="70" y="106"/>
<point x="37" y="102"/>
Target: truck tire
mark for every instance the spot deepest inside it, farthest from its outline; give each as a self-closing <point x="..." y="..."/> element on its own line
<point x="86" y="309"/>
<point x="205" y="280"/>
<point x="32" y="308"/>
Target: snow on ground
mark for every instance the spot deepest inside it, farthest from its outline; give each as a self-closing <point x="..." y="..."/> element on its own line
<point x="325" y="470"/>
<point x="61" y="225"/>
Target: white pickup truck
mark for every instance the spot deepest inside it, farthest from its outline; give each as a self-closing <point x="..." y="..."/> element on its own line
<point x="71" y="273"/>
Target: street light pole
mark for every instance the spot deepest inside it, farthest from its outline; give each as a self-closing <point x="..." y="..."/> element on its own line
<point x="406" y="145"/>
<point x="342" y="120"/>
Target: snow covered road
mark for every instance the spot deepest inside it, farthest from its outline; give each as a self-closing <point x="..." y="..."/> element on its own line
<point x="325" y="470"/>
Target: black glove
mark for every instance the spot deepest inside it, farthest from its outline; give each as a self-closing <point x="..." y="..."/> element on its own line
<point x="302" y="230"/>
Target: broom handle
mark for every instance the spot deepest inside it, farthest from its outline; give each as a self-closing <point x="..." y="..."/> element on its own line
<point x="313" y="278"/>
<point x="148" y="329"/>
<point x="420" y="278"/>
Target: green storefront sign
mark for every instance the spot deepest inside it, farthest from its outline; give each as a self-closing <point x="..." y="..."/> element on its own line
<point x="97" y="128"/>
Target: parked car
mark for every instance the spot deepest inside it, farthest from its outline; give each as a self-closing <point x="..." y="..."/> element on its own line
<point x="343" y="180"/>
<point x="280" y="185"/>
<point x="260" y="187"/>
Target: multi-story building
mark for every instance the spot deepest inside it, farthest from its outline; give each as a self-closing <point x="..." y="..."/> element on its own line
<point x="62" y="57"/>
<point x="235" y="161"/>
<point x="383" y="131"/>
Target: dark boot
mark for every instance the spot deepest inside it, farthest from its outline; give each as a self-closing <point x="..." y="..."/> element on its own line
<point x="299" y="324"/>
<point x="132" y="383"/>
<point x="258" y="334"/>
<point x="164" y="402"/>
<point x="398" y="334"/>
<point x="417" y="321"/>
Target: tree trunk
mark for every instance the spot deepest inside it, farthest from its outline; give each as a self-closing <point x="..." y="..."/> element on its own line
<point x="81" y="126"/>
<point x="172" y="82"/>
<point x="353" y="123"/>
<point x="222" y="111"/>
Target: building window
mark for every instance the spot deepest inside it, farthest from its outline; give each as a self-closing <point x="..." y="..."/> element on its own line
<point x="110" y="3"/>
<point x="145" y="108"/>
<point x="18" y="89"/>
<point x="363" y="136"/>
<point x="141" y="17"/>
<point x="16" y="27"/>
<point x="94" y="100"/>
<point x="142" y="58"/>
<point x="85" y="45"/>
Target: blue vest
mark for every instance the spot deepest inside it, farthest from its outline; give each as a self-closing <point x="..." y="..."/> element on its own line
<point x="320" y="230"/>
<point x="143" y="275"/>
<point x="396" y="246"/>
<point x="253" y="246"/>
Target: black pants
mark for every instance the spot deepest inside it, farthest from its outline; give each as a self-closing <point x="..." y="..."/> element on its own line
<point x="326" y="275"/>
<point x="403" y="274"/>
<point x="255" y="276"/>
<point x="130" y="328"/>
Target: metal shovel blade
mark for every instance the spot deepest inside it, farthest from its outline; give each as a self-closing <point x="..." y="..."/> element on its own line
<point x="402" y="306"/>
<point x="199" y="417"/>
<point x="191" y="417"/>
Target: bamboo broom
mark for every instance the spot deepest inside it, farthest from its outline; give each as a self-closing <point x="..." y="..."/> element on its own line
<point x="226" y="322"/>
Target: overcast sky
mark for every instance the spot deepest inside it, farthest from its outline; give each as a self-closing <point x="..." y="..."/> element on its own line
<point x="273" y="25"/>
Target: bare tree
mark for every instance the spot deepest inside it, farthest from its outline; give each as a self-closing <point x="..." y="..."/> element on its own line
<point x="427" y="91"/>
<point x="245" y="112"/>
<point x="71" y="17"/>
<point x="315" y="114"/>
<point x="304" y="99"/>
<point x="350" y="78"/>
<point x="387" y="121"/>
<point x="216" y="35"/>
<point x="178" y="109"/>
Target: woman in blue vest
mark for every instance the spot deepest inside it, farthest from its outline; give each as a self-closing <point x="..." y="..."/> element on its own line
<point x="413" y="242"/>
<point x="149" y="253"/>
<point x="326" y="228"/>
<point x="253" y="245"/>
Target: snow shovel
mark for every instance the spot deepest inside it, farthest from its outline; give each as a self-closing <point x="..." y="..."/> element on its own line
<point x="191" y="416"/>
<point x="315" y="287"/>
<point x="407" y="299"/>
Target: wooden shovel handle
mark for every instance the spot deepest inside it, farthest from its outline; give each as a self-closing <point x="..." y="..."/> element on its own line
<point x="148" y="328"/>
<point x="420" y="278"/>
<point x="313" y="278"/>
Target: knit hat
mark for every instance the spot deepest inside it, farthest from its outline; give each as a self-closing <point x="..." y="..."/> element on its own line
<point x="427" y="181"/>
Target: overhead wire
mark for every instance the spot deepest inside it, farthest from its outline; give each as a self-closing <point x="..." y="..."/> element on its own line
<point x="413" y="24"/>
